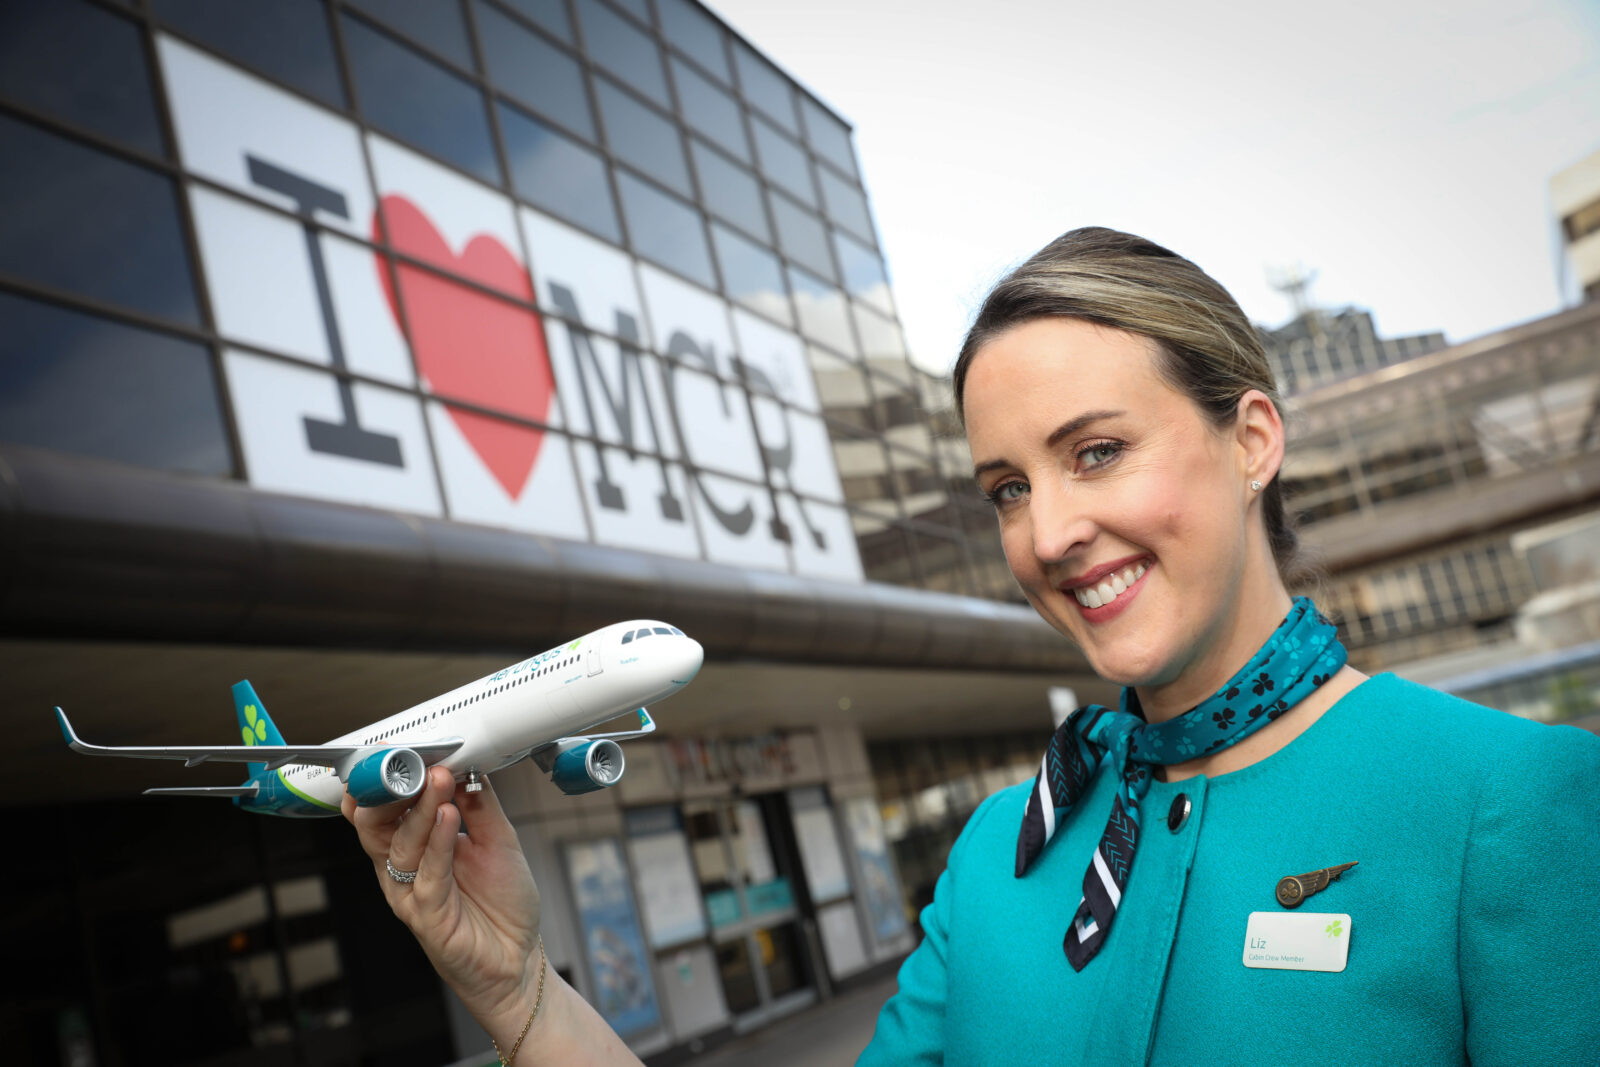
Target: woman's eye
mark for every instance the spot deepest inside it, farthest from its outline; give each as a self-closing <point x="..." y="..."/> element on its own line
<point x="1095" y="455"/>
<point x="1007" y="493"/>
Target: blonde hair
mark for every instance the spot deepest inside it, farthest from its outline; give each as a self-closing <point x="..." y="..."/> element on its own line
<point x="1207" y="348"/>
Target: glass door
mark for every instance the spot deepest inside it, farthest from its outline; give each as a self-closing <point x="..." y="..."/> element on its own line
<point x="746" y="879"/>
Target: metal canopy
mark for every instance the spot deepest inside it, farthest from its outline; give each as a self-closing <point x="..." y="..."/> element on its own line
<point x="97" y="550"/>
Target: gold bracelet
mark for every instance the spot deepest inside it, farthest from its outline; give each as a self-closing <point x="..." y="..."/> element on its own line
<point x="544" y="961"/>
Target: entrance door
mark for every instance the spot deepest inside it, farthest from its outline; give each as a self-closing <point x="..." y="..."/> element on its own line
<point x="746" y="864"/>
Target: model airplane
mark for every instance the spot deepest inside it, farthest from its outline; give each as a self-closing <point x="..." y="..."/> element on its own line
<point x="540" y="707"/>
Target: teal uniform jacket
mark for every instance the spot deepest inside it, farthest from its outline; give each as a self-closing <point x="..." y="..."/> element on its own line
<point x="1474" y="910"/>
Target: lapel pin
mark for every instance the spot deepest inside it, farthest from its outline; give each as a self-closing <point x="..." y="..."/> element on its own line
<point x="1296" y="887"/>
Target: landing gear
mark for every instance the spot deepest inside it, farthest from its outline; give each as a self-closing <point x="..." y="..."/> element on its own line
<point x="474" y="781"/>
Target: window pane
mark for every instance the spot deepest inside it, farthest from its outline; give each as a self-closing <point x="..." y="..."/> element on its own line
<point x="845" y="204"/>
<point x="841" y="389"/>
<point x="696" y="34"/>
<point x="433" y="24"/>
<point x="863" y="273"/>
<point x="641" y="136"/>
<point x="286" y="39"/>
<point x="801" y="235"/>
<point x="710" y="110"/>
<point x="637" y="8"/>
<point x="880" y="337"/>
<point x="730" y="191"/>
<point x="558" y="174"/>
<point x="548" y="15"/>
<point x="666" y="230"/>
<point x="81" y="64"/>
<point x="522" y="64"/>
<point x="80" y="220"/>
<point x="829" y="137"/>
<point x="418" y="101"/>
<point x="89" y="386"/>
<point x="623" y="49"/>
<point x="765" y="88"/>
<point x="824" y="316"/>
<point x="783" y="161"/>
<point x="751" y="274"/>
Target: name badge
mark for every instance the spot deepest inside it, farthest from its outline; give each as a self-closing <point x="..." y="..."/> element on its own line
<point x="1297" y="941"/>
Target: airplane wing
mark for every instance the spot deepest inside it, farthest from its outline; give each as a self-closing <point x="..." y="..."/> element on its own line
<point x="545" y="755"/>
<point x="647" y="725"/>
<point x="204" y="791"/>
<point x="274" y="756"/>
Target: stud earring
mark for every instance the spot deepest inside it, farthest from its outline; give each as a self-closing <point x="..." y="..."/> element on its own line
<point x="1255" y="484"/>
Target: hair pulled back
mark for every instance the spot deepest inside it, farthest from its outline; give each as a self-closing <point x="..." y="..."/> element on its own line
<point x="1208" y="349"/>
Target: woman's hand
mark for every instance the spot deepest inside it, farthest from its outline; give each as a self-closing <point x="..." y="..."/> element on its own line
<point x="474" y="906"/>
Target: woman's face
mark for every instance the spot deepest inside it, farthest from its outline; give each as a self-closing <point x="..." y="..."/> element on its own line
<point x="1123" y="510"/>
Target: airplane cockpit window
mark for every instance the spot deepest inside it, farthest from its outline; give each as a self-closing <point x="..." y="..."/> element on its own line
<point x="679" y="632"/>
<point x="663" y="631"/>
<point x="627" y="637"/>
<point x="641" y="633"/>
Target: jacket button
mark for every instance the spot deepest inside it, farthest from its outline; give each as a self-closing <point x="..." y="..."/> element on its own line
<point x="1179" y="813"/>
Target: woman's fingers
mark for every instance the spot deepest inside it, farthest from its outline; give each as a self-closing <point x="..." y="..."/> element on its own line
<point x="436" y="868"/>
<point x="374" y="826"/>
<point x="483" y="819"/>
<point x="410" y="838"/>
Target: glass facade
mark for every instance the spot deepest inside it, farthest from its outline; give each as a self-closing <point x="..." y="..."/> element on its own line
<point x="926" y="790"/>
<point x="342" y="214"/>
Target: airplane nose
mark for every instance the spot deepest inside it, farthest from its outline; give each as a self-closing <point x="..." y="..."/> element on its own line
<point x="686" y="660"/>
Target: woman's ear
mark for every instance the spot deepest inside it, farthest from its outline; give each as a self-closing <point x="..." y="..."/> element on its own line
<point x="1259" y="435"/>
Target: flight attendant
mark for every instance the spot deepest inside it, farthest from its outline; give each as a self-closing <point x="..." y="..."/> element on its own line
<point x="1259" y="855"/>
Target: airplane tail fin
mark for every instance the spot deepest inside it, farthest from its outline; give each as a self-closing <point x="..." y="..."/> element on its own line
<point x="254" y="723"/>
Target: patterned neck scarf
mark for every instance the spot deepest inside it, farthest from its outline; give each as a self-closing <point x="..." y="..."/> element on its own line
<point x="1300" y="655"/>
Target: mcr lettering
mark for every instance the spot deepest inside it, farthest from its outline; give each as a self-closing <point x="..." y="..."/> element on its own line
<point x="777" y="457"/>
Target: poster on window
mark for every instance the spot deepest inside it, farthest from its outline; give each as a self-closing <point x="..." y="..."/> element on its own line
<point x="659" y="852"/>
<point x="624" y="992"/>
<point x="481" y="360"/>
<point x="820" y="854"/>
<point x="880" y="890"/>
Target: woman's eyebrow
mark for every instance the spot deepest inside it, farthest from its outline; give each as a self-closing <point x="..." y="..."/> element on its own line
<point x="1075" y="425"/>
<point x="1066" y="429"/>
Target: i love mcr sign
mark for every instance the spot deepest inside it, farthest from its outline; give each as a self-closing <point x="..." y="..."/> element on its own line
<point x="650" y="445"/>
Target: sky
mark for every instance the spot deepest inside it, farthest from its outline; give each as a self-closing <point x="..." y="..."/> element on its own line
<point x="1400" y="149"/>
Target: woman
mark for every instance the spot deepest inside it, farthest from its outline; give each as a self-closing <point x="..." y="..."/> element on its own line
<point x="1141" y="900"/>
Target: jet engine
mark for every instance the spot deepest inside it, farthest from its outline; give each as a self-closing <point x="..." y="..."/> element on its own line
<point x="587" y="766"/>
<point x="386" y="776"/>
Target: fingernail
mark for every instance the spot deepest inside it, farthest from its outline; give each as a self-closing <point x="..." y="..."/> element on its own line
<point x="438" y="817"/>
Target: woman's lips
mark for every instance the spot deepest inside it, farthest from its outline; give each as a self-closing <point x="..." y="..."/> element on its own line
<point x="1109" y="597"/>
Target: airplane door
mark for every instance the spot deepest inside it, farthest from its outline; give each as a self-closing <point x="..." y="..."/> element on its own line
<point x="594" y="662"/>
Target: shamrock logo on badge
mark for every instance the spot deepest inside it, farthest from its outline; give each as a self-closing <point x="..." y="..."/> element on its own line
<point x="1335" y="928"/>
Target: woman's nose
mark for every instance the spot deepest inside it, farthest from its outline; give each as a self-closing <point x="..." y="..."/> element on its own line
<point x="1060" y="523"/>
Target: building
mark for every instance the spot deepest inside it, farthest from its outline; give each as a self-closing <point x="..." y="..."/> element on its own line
<point x="1319" y="347"/>
<point x="361" y="347"/>
<point x="1575" y="199"/>
<point x="1426" y="489"/>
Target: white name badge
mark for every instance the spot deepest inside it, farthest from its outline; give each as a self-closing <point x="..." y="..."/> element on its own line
<point x="1297" y="941"/>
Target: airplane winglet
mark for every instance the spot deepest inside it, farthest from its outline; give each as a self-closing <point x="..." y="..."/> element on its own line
<point x="67" y="732"/>
<point x="647" y="725"/>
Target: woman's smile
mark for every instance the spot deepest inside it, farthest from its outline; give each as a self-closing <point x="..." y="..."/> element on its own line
<point x="1105" y="592"/>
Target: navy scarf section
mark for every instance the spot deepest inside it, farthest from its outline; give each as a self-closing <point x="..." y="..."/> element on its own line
<point x="1302" y="653"/>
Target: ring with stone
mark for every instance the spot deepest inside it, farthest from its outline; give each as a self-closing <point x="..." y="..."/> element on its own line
<point x="403" y="877"/>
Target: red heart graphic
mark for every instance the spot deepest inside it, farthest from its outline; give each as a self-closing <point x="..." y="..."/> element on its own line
<point x="468" y="344"/>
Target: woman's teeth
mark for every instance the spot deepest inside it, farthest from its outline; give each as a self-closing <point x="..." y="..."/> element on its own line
<point x="1098" y="596"/>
